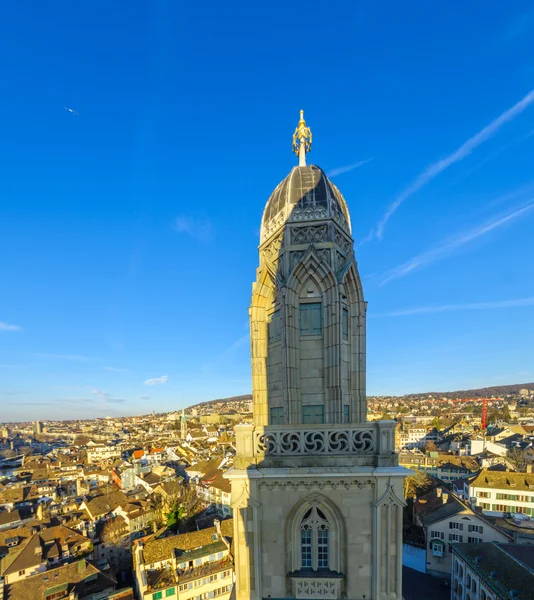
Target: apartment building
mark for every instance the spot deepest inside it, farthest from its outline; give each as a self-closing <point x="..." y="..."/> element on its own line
<point x="498" y="493"/>
<point x="99" y="452"/>
<point x="443" y="466"/>
<point x="445" y="520"/>
<point x="492" y="571"/>
<point x="189" y="566"/>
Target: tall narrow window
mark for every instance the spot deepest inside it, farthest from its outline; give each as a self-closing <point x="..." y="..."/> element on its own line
<point x="345" y="324"/>
<point x="311" y="319"/>
<point x="306" y="548"/>
<point x="314" y="540"/>
<point x="277" y="415"/>
<point x="275" y="327"/>
<point x="322" y="549"/>
<point x="346" y="413"/>
<point x="313" y="414"/>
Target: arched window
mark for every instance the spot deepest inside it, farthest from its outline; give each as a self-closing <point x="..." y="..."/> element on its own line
<point x="315" y="536"/>
<point x="314" y="540"/>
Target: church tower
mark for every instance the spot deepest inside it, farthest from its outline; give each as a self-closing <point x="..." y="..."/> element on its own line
<point x="183" y="425"/>
<point x="316" y="489"/>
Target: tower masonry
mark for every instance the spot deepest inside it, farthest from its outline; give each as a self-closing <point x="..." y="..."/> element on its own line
<point x="317" y="491"/>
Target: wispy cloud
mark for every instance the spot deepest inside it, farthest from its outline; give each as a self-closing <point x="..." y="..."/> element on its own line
<point x="157" y="380"/>
<point x="107" y="397"/>
<point x="348" y="168"/>
<point x="8" y="327"/>
<point x="199" y="228"/>
<point x="431" y="256"/>
<point x="366" y="239"/>
<point x="518" y="26"/>
<point x="116" y="369"/>
<point x="102" y="395"/>
<point x="464" y="150"/>
<point x="74" y="357"/>
<point x="143" y="397"/>
<point x="422" y="310"/>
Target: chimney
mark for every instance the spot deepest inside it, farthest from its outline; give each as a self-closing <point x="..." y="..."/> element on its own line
<point x="438" y="492"/>
<point x="217" y="525"/>
<point x="445" y="498"/>
<point x="529" y="468"/>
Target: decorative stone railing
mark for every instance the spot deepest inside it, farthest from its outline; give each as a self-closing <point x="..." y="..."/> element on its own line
<point x="329" y="440"/>
<point x="323" y="441"/>
<point x="311" y="587"/>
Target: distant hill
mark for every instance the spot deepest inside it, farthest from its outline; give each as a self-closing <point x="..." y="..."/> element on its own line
<point x="496" y="390"/>
<point x="207" y="403"/>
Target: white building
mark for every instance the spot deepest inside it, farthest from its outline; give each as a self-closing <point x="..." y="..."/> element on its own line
<point x="190" y="565"/>
<point x="99" y="452"/>
<point x="446" y="520"/>
<point x="501" y="492"/>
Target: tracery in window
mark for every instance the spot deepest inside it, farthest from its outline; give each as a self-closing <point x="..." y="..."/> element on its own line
<point x="314" y="540"/>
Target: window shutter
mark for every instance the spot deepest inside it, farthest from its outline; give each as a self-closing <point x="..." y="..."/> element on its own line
<point x="450" y="525"/>
<point x="469" y="528"/>
<point x="461" y="538"/>
<point x="480" y="529"/>
<point x="461" y="526"/>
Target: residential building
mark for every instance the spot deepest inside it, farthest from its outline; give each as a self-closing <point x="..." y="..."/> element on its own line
<point x="101" y="452"/>
<point x="445" y="467"/>
<point x="492" y="571"/>
<point x="500" y="492"/>
<point x="42" y="551"/>
<point x="190" y="565"/>
<point x="445" y="519"/>
<point x="80" y="580"/>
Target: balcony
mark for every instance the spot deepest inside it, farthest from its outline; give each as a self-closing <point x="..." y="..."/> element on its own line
<point x="162" y="578"/>
<point x="317" y="584"/>
<point x="364" y="444"/>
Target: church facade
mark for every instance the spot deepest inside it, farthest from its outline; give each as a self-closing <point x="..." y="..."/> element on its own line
<point x="317" y="492"/>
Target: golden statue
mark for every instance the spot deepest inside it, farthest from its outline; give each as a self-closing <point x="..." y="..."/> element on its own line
<point x="302" y="140"/>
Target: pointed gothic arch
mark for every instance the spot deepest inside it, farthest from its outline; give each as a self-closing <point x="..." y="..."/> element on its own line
<point x="262" y="300"/>
<point x="315" y="535"/>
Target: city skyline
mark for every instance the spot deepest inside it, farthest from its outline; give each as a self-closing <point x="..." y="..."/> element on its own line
<point x="136" y="183"/>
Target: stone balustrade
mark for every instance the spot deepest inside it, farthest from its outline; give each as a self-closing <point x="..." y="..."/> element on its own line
<point x="363" y="440"/>
<point x="289" y="442"/>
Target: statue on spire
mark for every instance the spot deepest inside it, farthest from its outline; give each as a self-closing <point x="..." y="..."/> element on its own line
<point x="302" y="140"/>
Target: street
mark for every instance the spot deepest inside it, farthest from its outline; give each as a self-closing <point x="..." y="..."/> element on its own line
<point x="419" y="586"/>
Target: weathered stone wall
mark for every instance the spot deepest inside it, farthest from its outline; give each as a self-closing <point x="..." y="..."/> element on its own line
<point x="365" y="517"/>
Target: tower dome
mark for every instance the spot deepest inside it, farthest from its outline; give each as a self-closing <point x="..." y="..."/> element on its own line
<point x="306" y="194"/>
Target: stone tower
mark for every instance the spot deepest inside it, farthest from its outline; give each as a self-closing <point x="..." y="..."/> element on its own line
<point x="183" y="425"/>
<point x="316" y="490"/>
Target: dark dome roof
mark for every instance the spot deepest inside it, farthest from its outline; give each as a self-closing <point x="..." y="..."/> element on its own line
<point x="306" y="194"/>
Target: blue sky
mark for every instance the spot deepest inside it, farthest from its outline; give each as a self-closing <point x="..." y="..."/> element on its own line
<point x="129" y="228"/>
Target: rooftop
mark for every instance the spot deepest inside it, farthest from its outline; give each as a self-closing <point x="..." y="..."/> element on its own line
<point x="158" y="550"/>
<point x="504" y="567"/>
<point x="505" y="480"/>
